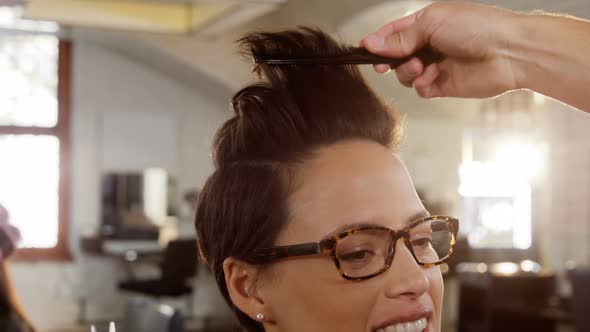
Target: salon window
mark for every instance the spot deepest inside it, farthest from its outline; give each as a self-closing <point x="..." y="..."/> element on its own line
<point x="34" y="134"/>
<point x="500" y="169"/>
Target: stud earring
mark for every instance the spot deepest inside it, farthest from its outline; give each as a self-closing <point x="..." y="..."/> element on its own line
<point x="260" y="317"/>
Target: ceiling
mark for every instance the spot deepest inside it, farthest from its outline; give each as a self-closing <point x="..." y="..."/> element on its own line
<point x="196" y="57"/>
<point x="205" y="18"/>
<point x="217" y="57"/>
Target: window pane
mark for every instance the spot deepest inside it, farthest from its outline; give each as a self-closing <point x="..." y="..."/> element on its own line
<point x="496" y="206"/>
<point x="29" y="178"/>
<point x="28" y="80"/>
<point x="11" y="19"/>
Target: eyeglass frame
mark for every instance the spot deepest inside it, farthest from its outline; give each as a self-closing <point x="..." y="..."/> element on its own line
<point x="328" y="246"/>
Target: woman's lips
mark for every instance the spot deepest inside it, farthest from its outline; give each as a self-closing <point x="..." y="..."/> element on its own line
<point x="415" y="326"/>
<point x="411" y="317"/>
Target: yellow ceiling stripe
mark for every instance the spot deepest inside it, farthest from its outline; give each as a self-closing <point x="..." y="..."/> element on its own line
<point x="205" y="13"/>
<point x="127" y="15"/>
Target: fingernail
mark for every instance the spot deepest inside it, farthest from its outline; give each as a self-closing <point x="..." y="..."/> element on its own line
<point x="375" y="42"/>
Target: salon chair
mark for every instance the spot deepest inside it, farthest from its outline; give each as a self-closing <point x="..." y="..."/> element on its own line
<point x="143" y="315"/>
<point x="519" y="302"/>
<point x="179" y="265"/>
<point x="495" y="301"/>
<point x="473" y="294"/>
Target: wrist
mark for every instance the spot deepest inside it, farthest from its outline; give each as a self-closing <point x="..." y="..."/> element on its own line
<point x="547" y="45"/>
<point x="522" y="49"/>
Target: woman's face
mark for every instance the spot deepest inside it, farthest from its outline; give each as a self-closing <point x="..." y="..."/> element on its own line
<point x="345" y="184"/>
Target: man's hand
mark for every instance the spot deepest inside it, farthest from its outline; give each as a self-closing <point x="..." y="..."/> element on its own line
<point x="475" y="41"/>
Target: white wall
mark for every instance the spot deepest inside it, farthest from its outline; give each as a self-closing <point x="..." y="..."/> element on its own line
<point x="105" y="80"/>
<point x="566" y="235"/>
<point x="431" y="151"/>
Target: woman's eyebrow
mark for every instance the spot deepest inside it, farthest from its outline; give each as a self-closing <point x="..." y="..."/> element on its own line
<point x="419" y="215"/>
<point x="349" y="226"/>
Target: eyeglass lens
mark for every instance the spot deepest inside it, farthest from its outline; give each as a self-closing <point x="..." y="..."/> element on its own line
<point x="367" y="252"/>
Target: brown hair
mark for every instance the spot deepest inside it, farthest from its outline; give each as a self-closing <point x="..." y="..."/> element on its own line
<point x="9" y="302"/>
<point x="11" y="310"/>
<point x="278" y="124"/>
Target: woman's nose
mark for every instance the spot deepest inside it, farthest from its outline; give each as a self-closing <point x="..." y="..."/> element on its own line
<point x="405" y="278"/>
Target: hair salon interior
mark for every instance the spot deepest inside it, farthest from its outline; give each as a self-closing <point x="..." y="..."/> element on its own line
<point x="107" y="114"/>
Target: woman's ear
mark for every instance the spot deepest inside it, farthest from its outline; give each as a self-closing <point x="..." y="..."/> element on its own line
<point x="240" y="278"/>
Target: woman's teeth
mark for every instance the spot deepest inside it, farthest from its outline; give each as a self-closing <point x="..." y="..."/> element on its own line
<point x="417" y="326"/>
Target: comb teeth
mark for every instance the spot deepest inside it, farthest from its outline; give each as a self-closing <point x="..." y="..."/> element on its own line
<point x="328" y="61"/>
<point x="352" y="56"/>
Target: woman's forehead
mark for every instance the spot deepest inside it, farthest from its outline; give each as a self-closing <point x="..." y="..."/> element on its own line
<point x="350" y="182"/>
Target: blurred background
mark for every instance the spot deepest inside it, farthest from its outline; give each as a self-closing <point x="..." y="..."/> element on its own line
<point x="107" y="113"/>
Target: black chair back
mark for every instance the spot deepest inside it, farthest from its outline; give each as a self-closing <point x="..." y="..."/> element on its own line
<point x="515" y="302"/>
<point x="528" y="289"/>
<point x="581" y="298"/>
<point x="180" y="260"/>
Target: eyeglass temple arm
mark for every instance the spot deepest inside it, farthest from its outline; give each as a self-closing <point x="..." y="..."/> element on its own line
<point x="274" y="253"/>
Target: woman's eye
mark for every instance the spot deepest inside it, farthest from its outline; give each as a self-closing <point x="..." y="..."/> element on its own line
<point x="358" y="255"/>
<point x="422" y="242"/>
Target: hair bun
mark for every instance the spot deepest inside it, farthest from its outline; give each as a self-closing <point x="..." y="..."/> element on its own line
<point x="249" y="98"/>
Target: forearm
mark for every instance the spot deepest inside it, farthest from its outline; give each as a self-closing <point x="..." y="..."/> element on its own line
<point x="552" y="56"/>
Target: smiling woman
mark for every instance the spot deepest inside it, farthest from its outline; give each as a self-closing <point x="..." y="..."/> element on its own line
<point x="310" y="222"/>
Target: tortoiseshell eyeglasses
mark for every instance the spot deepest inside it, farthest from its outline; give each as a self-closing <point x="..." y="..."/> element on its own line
<point x="366" y="251"/>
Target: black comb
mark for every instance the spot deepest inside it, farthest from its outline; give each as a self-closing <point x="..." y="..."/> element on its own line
<point x="353" y="56"/>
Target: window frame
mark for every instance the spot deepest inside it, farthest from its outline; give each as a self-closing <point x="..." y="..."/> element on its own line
<point x="61" y="252"/>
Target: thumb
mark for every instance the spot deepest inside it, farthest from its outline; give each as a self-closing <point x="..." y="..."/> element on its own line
<point x="399" y="38"/>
